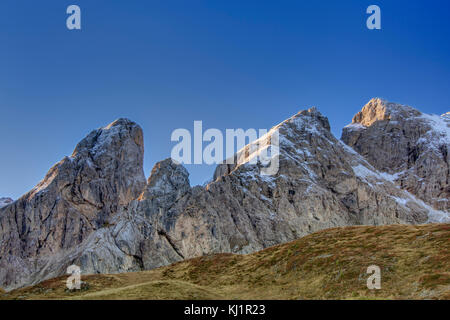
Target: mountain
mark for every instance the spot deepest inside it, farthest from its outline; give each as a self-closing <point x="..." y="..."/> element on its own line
<point x="77" y="197"/>
<point x="410" y="147"/>
<point x="5" y="201"/>
<point x="95" y="210"/>
<point x="330" y="264"/>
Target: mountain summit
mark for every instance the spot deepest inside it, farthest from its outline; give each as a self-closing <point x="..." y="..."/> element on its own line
<point x="410" y="146"/>
<point x="77" y="196"/>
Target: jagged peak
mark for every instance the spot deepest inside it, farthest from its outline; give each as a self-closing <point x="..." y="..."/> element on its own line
<point x="167" y="176"/>
<point x="378" y="109"/>
<point x="100" y="139"/>
<point x="119" y="146"/>
<point x="309" y="117"/>
<point x="120" y="122"/>
<point x="303" y="125"/>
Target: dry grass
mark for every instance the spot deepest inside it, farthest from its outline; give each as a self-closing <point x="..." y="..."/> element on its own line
<point x="331" y="264"/>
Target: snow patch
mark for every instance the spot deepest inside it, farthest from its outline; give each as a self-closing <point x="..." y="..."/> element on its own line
<point x="263" y="197"/>
<point x="105" y="138"/>
<point x="349" y="149"/>
<point x="355" y="126"/>
<point x="440" y="126"/>
<point x="434" y="216"/>
<point x="364" y="172"/>
<point x="391" y="177"/>
<point x="401" y="201"/>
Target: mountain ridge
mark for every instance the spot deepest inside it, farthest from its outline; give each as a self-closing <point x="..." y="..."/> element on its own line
<point x="94" y="209"/>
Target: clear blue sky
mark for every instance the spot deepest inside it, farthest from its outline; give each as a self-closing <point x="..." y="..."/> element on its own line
<point x="234" y="63"/>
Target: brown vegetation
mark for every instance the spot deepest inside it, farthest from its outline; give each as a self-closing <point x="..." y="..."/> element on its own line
<point x="330" y="264"/>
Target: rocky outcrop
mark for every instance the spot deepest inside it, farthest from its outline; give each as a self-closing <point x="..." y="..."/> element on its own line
<point x="77" y="197"/>
<point x="5" y="201"/>
<point x="410" y="147"/>
<point x="108" y="220"/>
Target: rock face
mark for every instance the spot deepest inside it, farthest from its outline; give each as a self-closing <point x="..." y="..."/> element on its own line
<point x="321" y="183"/>
<point x="95" y="210"/>
<point x="5" y="201"/>
<point x="77" y="196"/>
<point x="411" y="147"/>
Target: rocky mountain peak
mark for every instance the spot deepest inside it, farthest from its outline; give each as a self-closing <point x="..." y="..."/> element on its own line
<point x="378" y="109"/>
<point x="310" y="120"/>
<point x="407" y="144"/>
<point x="103" y="139"/>
<point x="115" y="151"/>
<point x="316" y="117"/>
<point x="5" y="201"/>
<point x="167" y="177"/>
<point x="296" y="130"/>
<point x="77" y="196"/>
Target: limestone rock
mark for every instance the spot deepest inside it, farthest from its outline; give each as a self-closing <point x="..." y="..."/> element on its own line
<point x="410" y="147"/>
<point x="77" y="196"/>
<point x="321" y="183"/>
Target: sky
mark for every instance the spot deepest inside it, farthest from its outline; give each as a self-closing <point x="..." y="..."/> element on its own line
<point x="232" y="64"/>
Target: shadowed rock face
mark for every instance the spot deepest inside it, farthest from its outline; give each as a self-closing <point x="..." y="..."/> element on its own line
<point x="410" y="146"/>
<point x="117" y="223"/>
<point x="77" y="196"/>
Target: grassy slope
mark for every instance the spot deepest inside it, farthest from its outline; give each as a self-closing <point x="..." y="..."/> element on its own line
<point x="331" y="264"/>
